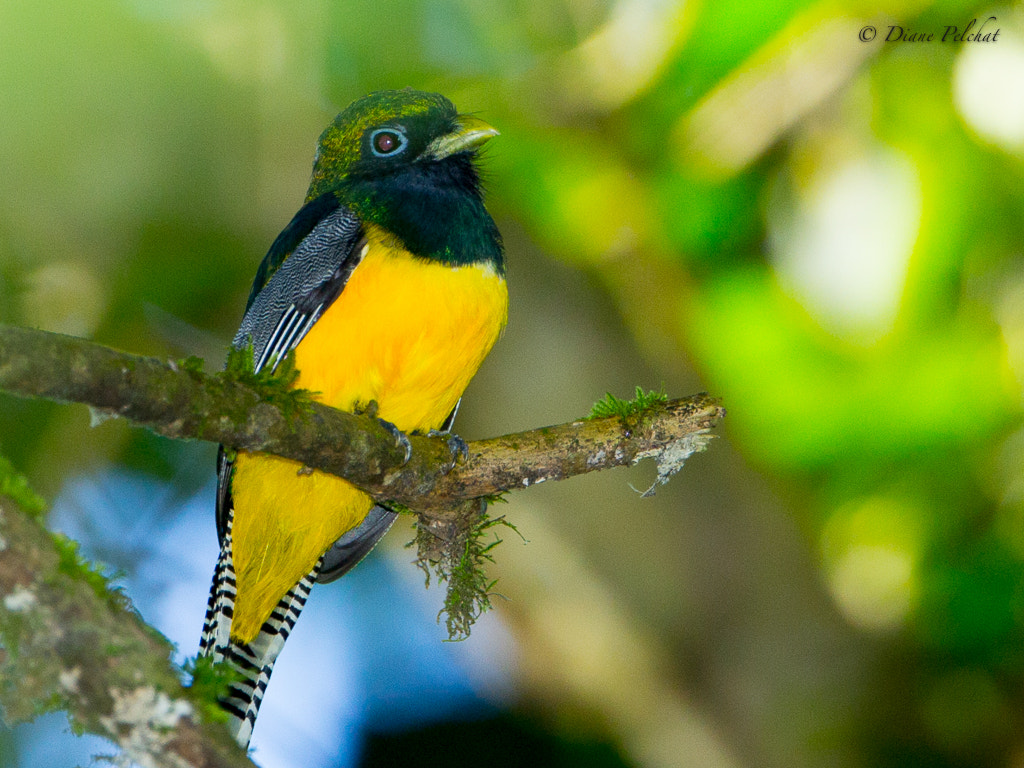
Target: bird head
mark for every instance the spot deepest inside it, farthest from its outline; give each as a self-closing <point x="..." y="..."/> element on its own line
<point x="387" y="134"/>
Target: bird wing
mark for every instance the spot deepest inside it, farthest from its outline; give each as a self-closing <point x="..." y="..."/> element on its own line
<point x="304" y="271"/>
<point x="353" y="546"/>
<point x="321" y="247"/>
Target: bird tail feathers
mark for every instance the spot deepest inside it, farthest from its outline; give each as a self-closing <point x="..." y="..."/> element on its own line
<point x="253" y="662"/>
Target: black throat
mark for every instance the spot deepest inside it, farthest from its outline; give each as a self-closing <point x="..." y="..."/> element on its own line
<point x="435" y="208"/>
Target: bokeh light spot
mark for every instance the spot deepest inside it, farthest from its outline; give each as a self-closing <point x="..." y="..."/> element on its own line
<point x="64" y="297"/>
<point x="844" y="251"/>
<point x="871" y="549"/>
<point x="988" y="90"/>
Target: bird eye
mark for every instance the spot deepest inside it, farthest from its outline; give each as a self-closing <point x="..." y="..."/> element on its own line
<point x="387" y="141"/>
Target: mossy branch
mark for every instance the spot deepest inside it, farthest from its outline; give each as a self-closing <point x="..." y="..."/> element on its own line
<point x="261" y="413"/>
<point x="178" y="400"/>
<point x="70" y="643"/>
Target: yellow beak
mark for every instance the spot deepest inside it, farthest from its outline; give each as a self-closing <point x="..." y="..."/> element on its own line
<point x="470" y="133"/>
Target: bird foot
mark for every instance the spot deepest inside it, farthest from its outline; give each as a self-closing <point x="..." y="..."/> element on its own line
<point x="401" y="439"/>
<point x="456" y="447"/>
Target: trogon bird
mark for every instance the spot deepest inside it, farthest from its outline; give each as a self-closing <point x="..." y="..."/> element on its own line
<point x="388" y="286"/>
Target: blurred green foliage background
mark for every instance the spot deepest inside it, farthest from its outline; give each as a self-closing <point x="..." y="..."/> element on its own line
<point x="824" y="232"/>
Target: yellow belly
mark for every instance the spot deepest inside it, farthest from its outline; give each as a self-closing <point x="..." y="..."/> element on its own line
<point x="405" y="332"/>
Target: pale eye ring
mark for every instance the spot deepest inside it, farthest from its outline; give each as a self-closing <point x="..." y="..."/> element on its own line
<point x="387" y="141"/>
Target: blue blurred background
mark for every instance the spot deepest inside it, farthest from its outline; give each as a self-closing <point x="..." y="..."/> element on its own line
<point x="824" y="232"/>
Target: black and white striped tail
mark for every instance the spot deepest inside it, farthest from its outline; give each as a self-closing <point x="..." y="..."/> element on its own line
<point x="253" y="661"/>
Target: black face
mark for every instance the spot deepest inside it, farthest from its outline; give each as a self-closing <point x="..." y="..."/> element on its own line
<point x="386" y="147"/>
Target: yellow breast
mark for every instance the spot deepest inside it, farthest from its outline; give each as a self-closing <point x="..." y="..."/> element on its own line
<point x="406" y="332"/>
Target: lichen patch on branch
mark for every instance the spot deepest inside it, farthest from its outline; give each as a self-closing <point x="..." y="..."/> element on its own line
<point x="670" y="459"/>
<point x="142" y="722"/>
<point x="21" y="600"/>
<point x="68" y="680"/>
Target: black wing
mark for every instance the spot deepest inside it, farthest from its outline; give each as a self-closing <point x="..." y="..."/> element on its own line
<point x="302" y="284"/>
<point x="347" y="551"/>
<point x="285" y="243"/>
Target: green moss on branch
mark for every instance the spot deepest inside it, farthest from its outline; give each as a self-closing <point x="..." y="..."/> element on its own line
<point x="71" y="642"/>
